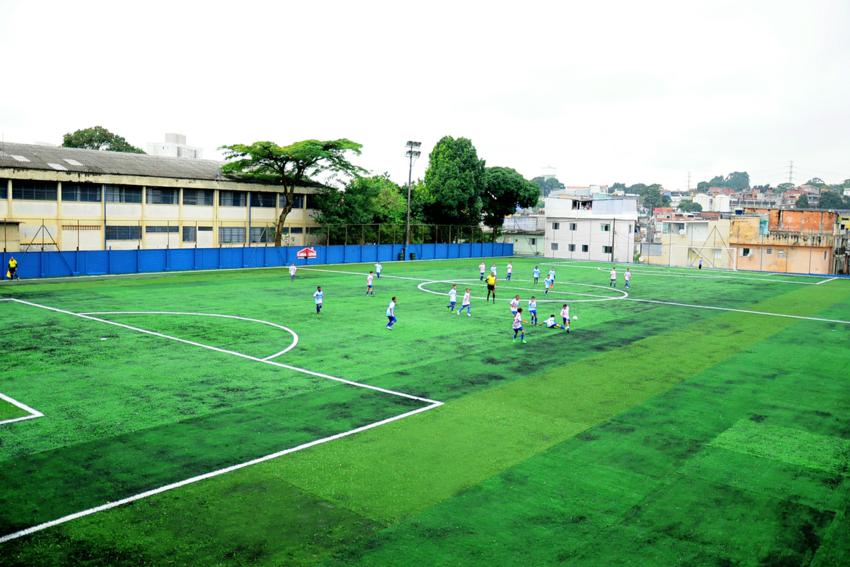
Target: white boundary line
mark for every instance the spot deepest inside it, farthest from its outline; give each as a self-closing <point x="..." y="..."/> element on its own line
<point x="109" y="505"/>
<point x="826" y="281"/>
<point x="543" y="299"/>
<point x="219" y="472"/>
<point x="661" y="273"/>
<point x="269" y="323"/>
<point x="33" y="413"/>
<point x="734" y="310"/>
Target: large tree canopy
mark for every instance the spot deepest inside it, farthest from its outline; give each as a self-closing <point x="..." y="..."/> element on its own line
<point x="690" y="207"/>
<point x="504" y="190"/>
<point x="366" y="200"/>
<point x="98" y="138"/>
<point x="291" y="165"/>
<point x="832" y="200"/>
<point x="548" y="184"/>
<point x="737" y="180"/>
<point x="455" y="179"/>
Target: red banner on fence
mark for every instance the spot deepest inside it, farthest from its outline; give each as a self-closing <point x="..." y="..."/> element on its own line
<point x="306" y="253"/>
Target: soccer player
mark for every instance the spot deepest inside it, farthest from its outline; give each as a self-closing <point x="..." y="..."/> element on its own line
<point x="370" y="290"/>
<point x="491" y="287"/>
<point x="700" y="264"/>
<point x="552" y="277"/>
<point x="319" y="297"/>
<point x="378" y="268"/>
<point x="551" y="323"/>
<point x="391" y="314"/>
<point x="532" y="308"/>
<point x="565" y="316"/>
<point x="493" y="269"/>
<point x="628" y="278"/>
<point x="12" y="272"/>
<point x="510" y="271"/>
<point x="536" y="274"/>
<point x="547" y="283"/>
<point x="465" y="303"/>
<point x="518" y="330"/>
<point x="481" y="269"/>
<point x="613" y="273"/>
<point x="514" y="305"/>
<point x="452" y="298"/>
<point x="292" y="270"/>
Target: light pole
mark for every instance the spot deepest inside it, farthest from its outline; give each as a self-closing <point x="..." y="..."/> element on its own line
<point x="411" y="153"/>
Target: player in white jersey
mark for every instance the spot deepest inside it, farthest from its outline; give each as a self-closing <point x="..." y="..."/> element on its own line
<point x="378" y="269"/>
<point x="514" y="305"/>
<point x="551" y="323"/>
<point x="532" y="309"/>
<point x="465" y="303"/>
<point x="292" y="270"/>
<point x="547" y="283"/>
<point x="319" y="298"/>
<point x="535" y="273"/>
<point x="391" y="313"/>
<point x="613" y="275"/>
<point x="452" y="298"/>
<point x="493" y="269"/>
<point x="627" y="277"/>
<point x="552" y="277"/>
<point x="518" y="330"/>
<point x="482" y="267"/>
<point x="510" y="271"/>
<point x="370" y="289"/>
<point x="565" y="316"/>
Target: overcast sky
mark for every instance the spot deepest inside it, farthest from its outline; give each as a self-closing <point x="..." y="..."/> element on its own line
<point x="601" y="91"/>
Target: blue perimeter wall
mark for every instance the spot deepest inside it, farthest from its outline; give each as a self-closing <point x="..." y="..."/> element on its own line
<point x="101" y="262"/>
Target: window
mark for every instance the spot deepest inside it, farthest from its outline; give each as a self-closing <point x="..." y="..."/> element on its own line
<point x="296" y="230"/>
<point x="573" y="226"/>
<point x="262" y="200"/>
<point x="554" y="245"/>
<point x="769" y="251"/>
<point x="262" y="234"/>
<point x="605" y="227"/>
<point x="4" y="188"/>
<point x="204" y="229"/>
<point x="190" y="234"/>
<point x="309" y="201"/>
<point x="314" y="230"/>
<point x="162" y="228"/>
<point x="745" y="252"/>
<point x="122" y="194"/>
<point x="297" y="200"/>
<point x="123" y="232"/>
<point x="571" y="247"/>
<point x="82" y="192"/>
<point x="231" y="234"/>
<point x="233" y="199"/>
<point x="556" y="225"/>
<point x="607" y="249"/>
<point x="203" y="197"/>
<point x="780" y="253"/>
<point x="161" y="196"/>
<point x="533" y="241"/>
<point x="584" y="248"/>
<point x="34" y="190"/>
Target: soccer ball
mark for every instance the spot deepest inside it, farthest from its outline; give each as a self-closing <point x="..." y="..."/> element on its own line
<point x="575" y="317"/>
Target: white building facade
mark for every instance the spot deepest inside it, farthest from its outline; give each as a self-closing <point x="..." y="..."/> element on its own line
<point x="585" y="227"/>
<point x="174" y="146"/>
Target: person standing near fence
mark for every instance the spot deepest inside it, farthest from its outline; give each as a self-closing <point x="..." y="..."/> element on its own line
<point x="292" y="270"/>
<point x="378" y="268"/>
<point x="481" y="268"/>
<point x="12" y="272"/>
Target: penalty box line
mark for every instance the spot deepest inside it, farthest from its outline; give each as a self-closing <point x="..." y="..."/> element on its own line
<point x="109" y="505"/>
<point x="32" y="413"/>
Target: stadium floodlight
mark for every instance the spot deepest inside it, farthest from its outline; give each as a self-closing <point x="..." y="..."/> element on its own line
<point x="412" y="153"/>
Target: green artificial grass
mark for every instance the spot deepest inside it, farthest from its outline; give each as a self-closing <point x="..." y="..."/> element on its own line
<point x="652" y="434"/>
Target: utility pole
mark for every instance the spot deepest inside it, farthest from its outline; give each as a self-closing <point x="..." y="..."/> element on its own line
<point x="411" y="153"/>
<point x="791" y="172"/>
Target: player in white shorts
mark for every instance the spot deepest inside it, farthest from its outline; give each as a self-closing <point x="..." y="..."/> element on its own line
<point x="627" y="277"/>
<point x="565" y="316"/>
<point x="532" y="309"/>
<point x="514" y="305"/>
<point x="452" y="298"/>
<point x="518" y="330"/>
<point x="370" y="289"/>
<point x="378" y="269"/>
<point x="292" y="270"/>
<point x="481" y="269"/>
<point x="613" y="275"/>
<point x="465" y="303"/>
<point x="510" y="271"/>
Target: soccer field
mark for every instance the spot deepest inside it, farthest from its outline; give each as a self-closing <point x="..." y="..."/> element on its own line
<point x="698" y="418"/>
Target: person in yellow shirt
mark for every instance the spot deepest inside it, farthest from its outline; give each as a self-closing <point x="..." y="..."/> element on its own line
<point x="12" y="272"/>
<point x="491" y="287"/>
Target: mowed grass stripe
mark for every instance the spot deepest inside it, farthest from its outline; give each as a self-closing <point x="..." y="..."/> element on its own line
<point x="475" y="437"/>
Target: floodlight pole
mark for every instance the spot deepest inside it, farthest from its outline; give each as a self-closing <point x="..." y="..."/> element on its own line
<point x="412" y="153"/>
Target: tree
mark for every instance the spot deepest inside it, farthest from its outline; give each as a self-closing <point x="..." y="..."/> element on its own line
<point x="455" y="179"/>
<point x="690" y="207"/>
<point x="802" y="202"/>
<point x="652" y="197"/>
<point x="548" y="184"/>
<point x="830" y="200"/>
<point x="365" y="200"/>
<point x="816" y="182"/>
<point x="737" y="180"/>
<point x="290" y="165"/>
<point x="98" y="138"/>
<point x="504" y="190"/>
<point x="782" y="187"/>
<point x="702" y="187"/>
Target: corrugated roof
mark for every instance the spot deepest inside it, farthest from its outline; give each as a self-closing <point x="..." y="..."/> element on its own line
<point x="98" y="162"/>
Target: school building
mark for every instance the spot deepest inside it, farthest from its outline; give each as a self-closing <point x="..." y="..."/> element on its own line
<point x="55" y="198"/>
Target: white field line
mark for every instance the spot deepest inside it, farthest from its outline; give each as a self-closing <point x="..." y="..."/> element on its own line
<point x="545" y="298"/>
<point x="230" y="352"/>
<point x="219" y="472"/>
<point x="33" y="413"/>
<point x="749" y="311"/>
<point x="269" y="323"/>
<point x="661" y="273"/>
<point x="826" y="281"/>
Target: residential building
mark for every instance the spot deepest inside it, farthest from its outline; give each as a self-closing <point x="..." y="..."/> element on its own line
<point x="719" y="202"/>
<point x="590" y="226"/>
<point x="174" y="146"/>
<point x="526" y="232"/>
<point x="55" y="198"/>
<point x="685" y="240"/>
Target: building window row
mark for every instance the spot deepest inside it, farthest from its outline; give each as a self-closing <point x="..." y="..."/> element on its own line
<point x="123" y="232"/>
<point x="33" y="190"/>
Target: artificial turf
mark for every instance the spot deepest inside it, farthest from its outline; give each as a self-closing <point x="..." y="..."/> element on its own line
<point x="652" y="434"/>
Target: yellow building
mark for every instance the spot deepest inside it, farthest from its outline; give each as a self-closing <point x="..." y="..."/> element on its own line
<point x="56" y="198"/>
<point x="687" y="241"/>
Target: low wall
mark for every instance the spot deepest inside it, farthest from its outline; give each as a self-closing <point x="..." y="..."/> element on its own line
<point x="103" y="262"/>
